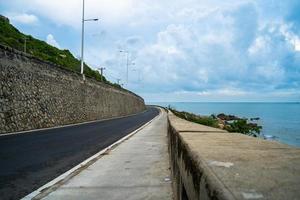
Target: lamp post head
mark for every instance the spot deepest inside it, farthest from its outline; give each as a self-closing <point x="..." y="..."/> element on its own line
<point x="95" y="19"/>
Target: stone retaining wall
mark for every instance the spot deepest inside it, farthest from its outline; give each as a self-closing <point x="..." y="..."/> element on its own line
<point x="37" y="94"/>
<point x="209" y="163"/>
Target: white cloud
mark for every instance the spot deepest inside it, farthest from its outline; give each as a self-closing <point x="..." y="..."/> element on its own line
<point x="50" y="40"/>
<point x="209" y="52"/>
<point x="23" y="18"/>
<point x="199" y="46"/>
<point x="68" y="12"/>
<point x="297" y="44"/>
<point x="222" y="95"/>
<point x="292" y="38"/>
<point x="258" y="45"/>
<point x="270" y="72"/>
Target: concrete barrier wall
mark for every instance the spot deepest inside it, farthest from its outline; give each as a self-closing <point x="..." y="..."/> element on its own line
<point x="209" y="163"/>
<point x="37" y="94"/>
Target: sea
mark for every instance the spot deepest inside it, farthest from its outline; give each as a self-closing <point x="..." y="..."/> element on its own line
<point x="280" y="121"/>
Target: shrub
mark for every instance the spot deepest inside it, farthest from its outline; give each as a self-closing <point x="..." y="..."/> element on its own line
<point x="239" y="125"/>
<point x="204" y="120"/>
<point x="242" y="126"/>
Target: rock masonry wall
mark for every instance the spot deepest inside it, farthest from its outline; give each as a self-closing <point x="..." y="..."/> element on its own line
<point x="37" y="94"/>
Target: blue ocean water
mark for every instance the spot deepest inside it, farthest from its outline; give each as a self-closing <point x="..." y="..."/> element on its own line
<point x="281" y="120"/>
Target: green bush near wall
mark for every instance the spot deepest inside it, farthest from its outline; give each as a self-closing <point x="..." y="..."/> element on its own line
<point x="204" y="120"/>
<point x="236" y="126"/>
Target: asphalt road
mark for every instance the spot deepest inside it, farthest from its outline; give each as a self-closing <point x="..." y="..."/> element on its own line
<point x="30" y="160"/>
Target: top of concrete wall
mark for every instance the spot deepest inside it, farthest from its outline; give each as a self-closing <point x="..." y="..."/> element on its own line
<point x="31" y="57"/>
<point x="241" y="167"/>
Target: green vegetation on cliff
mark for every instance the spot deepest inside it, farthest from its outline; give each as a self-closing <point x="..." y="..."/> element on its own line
<point x="12" y="37"/>
<point x="204" y="120"/>
<point x="242" y="126"/>
<point x="227" y="122"/>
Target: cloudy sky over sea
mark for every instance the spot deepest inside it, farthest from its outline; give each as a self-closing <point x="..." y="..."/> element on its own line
<point x="183" y="50"/>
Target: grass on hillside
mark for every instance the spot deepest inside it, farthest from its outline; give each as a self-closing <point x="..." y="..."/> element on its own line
<point x="12" y="37"/>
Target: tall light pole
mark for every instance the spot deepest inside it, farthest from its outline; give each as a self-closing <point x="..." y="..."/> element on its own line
<point x="132" y="63"/>
<point x="25" y="43"/>
<point x="82" y="36"/>
<point x="126" y="52"/>
<point x="101" y="71"/>
<point x="138" y="73"/>
<point x="127" y="63"/>
<point x="118" y="81"/>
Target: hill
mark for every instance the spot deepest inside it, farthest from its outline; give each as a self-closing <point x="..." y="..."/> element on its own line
<point x="12" y="37"/>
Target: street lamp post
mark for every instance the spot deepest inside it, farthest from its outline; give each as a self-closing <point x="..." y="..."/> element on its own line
<point x="82" y="36"/>
<point x="101" y="71"/>
<point x="118" y="81"/>
<point x="138" y="73"/>
<point x="25" y="43"/>
<point x="126" y="52"/>
<point x="127" y="63"/>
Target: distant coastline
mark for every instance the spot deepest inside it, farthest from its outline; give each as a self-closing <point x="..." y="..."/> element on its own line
<point x="280" y="120"/>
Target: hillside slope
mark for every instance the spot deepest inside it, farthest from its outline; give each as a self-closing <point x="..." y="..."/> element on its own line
<point x="12" y="37"/>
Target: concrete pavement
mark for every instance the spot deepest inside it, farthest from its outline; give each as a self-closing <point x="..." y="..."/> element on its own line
<point x="30" y="160"/>
<point x="138" y="168"/>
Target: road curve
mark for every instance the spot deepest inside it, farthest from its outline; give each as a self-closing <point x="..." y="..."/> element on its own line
<point x="30" y="160"/>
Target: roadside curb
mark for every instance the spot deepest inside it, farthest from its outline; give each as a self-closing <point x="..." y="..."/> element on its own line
<point x="63" y="178"/>
<point x="68" y="125"/>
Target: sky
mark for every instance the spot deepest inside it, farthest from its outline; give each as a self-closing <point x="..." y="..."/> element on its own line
<point x="179" y="50"/>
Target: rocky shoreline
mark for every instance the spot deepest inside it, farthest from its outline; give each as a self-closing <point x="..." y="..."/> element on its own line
<point x="231" y="123"/>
